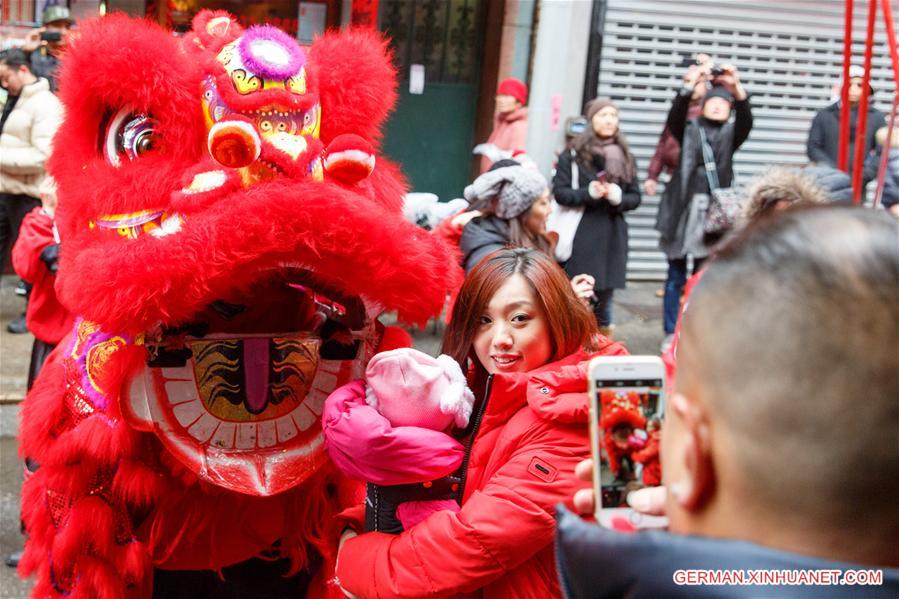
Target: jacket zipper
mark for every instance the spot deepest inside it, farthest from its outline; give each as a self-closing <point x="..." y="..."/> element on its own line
<point x="476" y="425"/>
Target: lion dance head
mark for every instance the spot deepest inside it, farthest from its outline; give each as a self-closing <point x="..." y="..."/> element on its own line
<point x="230" y="237"/>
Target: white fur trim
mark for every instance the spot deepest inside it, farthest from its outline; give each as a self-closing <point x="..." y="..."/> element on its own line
<point x="614" y="195"/>
<point x="351" y="155"/>
<point x="370" y="397"/>
<point x="292" y="145"/>
<point x="458" y="399"/>
<point x="169" y="226"/>
<point x="206" y="181"/>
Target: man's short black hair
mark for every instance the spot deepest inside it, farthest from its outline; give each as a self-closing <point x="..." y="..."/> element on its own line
<point x="14" y="58"/>
<point x="791" y="337"/>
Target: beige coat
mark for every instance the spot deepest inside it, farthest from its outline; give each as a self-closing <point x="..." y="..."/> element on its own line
<point x="25" y="142"/>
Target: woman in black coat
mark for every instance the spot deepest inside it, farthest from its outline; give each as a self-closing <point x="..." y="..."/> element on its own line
<point x="606" y="187"/>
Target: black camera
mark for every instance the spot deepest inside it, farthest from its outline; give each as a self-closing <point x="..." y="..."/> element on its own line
<point x="51" y="36"/>
<point x="716" y="71"/>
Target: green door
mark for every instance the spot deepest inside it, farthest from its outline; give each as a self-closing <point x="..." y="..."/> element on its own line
<point x="431" y="133"/>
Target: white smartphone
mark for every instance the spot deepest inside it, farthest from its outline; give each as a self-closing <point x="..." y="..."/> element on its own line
<point x="627" y="405"/>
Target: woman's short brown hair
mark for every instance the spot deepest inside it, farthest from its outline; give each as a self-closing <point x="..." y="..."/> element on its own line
<point x="571" y="324"/>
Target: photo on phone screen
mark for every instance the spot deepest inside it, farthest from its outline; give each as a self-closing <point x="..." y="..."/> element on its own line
<point x="630" y="428"/>
<point x="627" y="407"/>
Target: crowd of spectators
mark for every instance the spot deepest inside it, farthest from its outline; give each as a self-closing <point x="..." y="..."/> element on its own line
<point x="31" y="115"/>
<point x="769" y="459"/>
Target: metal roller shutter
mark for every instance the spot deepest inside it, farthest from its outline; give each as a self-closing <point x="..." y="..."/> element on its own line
<point x="789" y="55"/>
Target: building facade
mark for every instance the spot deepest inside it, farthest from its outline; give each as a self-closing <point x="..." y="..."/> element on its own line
<point x="451" y="54"/>
<point x="789" y="55"/>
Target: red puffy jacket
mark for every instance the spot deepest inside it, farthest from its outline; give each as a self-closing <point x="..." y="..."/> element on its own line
<point x="46" y="318"/>
<point x="532" y="433"/>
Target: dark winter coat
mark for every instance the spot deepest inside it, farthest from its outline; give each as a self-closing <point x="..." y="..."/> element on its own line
<point x="891" y="182"/>
<point x="689" y="177"/>
<point x="824" y="137"/>
<point x="600" y="243"/>
<point x="667" y="154"/>
<point x="46" y="65"/>
<point x="481" y="237"/>
<point x="836" y="183"/>
<point x="598" y="563"/>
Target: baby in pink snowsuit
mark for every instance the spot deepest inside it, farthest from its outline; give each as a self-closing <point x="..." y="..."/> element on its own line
<point x="394" y="431"/>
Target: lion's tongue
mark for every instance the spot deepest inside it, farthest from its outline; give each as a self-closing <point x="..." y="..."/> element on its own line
<point x="255" y="359"/>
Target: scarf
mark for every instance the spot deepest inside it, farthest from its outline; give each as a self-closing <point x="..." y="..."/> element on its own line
<point x="616" y="163"/>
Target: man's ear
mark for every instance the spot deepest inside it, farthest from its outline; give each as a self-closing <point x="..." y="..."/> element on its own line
<point x="697" y="483"/>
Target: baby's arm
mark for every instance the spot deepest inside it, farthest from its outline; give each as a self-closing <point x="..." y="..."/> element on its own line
<point x="365" y="446"/>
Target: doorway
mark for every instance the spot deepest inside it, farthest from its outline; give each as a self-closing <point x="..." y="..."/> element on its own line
<point x="437" y="45"/>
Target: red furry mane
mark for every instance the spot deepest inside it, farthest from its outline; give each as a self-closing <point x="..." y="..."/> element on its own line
<point x="164" y="237"/>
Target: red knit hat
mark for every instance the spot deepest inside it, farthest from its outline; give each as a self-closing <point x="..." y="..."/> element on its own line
<point x="513" y="87"/>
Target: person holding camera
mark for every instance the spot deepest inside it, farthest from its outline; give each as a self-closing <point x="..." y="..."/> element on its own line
<point x="682" y="212"/>
<point x="599" y="173"/>
<point x="667" y="153"/>
<point x="46" y="43"/>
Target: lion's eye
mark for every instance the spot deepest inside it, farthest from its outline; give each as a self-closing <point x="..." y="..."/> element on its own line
<point x="129" y="135"/>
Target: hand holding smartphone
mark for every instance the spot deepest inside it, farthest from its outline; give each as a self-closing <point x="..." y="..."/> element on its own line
<point x="626" y="410"/>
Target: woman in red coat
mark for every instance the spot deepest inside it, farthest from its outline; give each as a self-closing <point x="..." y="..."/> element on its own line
<point x="35" y="258"/>
<point x="526" y="340"/>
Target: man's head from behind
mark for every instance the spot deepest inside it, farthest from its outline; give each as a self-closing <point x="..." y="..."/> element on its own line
<point x="783" y="427"/>
<point x="15" y="72"/>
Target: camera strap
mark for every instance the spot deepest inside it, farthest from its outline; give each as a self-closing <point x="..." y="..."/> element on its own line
<point x="708" y="157"/>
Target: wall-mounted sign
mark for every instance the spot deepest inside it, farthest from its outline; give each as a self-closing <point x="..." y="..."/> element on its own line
<point x="555" y="112"/>
<point x="416" y="79"/>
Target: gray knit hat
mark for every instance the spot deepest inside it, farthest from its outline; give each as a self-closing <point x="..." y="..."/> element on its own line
<point x="514" y="187"/>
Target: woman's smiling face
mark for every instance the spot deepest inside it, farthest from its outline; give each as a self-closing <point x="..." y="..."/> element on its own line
<point x="513" y="335"/>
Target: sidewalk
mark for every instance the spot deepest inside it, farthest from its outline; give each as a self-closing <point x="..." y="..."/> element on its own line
<point x="15" y="353"/>
<point x="15" y="350"/>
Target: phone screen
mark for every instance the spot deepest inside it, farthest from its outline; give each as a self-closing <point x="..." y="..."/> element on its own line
<point x="629" y="435"/>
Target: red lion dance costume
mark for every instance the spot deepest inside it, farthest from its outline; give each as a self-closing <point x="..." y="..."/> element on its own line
<point x="228" y="244"/>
